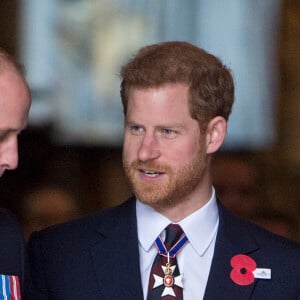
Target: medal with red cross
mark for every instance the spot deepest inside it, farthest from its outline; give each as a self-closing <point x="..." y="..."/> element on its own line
<point x="168" y="280"/>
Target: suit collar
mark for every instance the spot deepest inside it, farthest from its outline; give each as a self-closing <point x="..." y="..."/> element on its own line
<point x="116" y="255"/>
<point x="234" y="237"/>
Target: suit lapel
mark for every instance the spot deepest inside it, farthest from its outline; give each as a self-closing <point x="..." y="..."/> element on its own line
<point x="233" y="238"/>
<point x="116" y="256"/>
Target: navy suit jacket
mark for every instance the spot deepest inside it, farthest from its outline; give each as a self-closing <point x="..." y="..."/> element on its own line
<point x="97" y="257"/>
<point x="13" y="260"/>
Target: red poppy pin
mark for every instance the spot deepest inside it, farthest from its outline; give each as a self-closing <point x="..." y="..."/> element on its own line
<point x="244" y="270"/>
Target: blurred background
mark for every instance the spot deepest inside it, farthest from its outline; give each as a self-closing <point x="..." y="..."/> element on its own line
<point x="72" y="50"/>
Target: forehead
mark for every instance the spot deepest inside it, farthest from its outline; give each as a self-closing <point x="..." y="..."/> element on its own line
<point x="164" y="106"/>
<point x="14" y="100"/>
<point x="168" y="98"/>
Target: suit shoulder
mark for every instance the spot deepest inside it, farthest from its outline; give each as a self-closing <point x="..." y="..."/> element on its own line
<point x="89" y="221"/>
<point x="9" y="224"/>
<point x="83" y="231"/>
<point x="273" y="240"/>
<point x="12" y="254"/>
<point x="234" y="226"/>
<point x="7" y="218"/>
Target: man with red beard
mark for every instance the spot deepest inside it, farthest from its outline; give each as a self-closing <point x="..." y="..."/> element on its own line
<point x="15" y="102"/>
<point x="172" y="239"/>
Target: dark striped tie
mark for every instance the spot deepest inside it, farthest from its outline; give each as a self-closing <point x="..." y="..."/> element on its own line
<point x="173" y="234"/>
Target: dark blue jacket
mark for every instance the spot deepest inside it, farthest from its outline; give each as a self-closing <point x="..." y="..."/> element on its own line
<point x="97" y="257"/>
<point x="13" y="259"/>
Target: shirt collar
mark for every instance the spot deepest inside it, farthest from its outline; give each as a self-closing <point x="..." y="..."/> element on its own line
<point x="200" y="227"/>
<point x="150" y="224"/>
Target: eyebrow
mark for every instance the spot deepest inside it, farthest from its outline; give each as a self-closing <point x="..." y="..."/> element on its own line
<point x="175" y="125"/>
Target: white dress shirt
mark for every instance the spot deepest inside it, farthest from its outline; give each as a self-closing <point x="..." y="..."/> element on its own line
<point x="194" y="259"/>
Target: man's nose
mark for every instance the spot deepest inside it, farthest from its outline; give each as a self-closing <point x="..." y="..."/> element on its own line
<point x="149" y="148"/>
<point x="9" y="157"/>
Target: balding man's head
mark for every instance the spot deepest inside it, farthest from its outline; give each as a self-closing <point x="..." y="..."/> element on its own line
<point x="14" y="108"/>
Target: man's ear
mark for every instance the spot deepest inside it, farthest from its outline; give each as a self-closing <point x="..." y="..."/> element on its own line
<point x="215" y="134"/>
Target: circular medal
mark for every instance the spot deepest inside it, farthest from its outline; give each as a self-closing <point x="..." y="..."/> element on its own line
<point x="168" y="280"/>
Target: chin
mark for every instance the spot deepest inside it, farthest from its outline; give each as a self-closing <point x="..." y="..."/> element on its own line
<point x="156" y="199"/>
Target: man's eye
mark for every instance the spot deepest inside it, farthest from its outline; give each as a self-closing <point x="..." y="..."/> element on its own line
<point x="136" y="130"/>
<point x="169" y="132"/>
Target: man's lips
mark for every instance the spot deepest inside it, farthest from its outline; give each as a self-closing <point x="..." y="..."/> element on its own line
<point x="150" y="173"/>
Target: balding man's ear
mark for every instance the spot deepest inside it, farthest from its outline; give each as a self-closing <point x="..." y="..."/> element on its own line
<point x="215" y="134"/>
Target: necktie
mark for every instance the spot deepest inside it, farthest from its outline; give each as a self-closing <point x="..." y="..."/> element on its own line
<point x="165" y="283"/>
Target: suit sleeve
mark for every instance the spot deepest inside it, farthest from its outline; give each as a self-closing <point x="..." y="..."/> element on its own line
<point x="13" y="256"/>
<point x="37" y="289"/>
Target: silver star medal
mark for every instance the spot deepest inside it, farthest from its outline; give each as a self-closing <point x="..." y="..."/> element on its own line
<point x="168" y="280"/>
